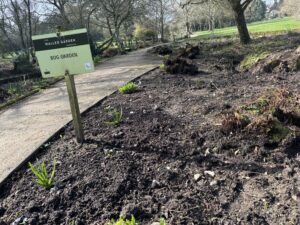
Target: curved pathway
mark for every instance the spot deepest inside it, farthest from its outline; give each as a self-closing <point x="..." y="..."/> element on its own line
<point x="25" y="126"/>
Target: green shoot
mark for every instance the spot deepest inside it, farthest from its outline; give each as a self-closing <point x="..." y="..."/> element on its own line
<point x="128" y="88"/>
<point x="162" y="221"/>
<point x="43" y="178"/>
<point x="116" y="117"/>
<point x="123" y="221"/>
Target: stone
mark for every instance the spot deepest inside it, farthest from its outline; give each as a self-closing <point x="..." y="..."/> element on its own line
<point x="210" y="173"/>
<point x="156" y="108"/>
<point x="155" y="184"/>
<point x="213" y="183"/>
<point x="197" y="176"/>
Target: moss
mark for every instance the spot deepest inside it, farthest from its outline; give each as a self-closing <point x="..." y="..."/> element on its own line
<point x="258" y="106"/>
<point x="252" y="59"/>
<point x="276" y="132"/>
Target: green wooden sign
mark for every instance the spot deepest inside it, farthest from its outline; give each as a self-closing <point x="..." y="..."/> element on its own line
<point x="58" y="52"/>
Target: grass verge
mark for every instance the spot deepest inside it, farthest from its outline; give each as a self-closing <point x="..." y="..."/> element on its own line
<point x="280" y="25"/>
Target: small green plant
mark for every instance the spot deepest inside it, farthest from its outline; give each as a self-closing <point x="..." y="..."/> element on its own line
<point x="162" y="221"/>
<point x="97" y="59"/>
<point x="162" y="66"/>
<point x="132" y="221"/>
<point x="128" y="88"/>
<point x="14" y="89"/>
<point x="116" y="116"/>
<point x="43" y="178"/>
<point x="123" y="221"/>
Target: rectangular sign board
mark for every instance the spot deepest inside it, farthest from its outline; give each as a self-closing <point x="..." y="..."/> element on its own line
<point x="58" y="52"/>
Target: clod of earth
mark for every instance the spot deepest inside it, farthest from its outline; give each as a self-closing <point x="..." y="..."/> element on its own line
<point x="282" y="62"/>
<point x="266" y="116"/>
<point x="270" y="66"/>
<point x="189" y="52"/>
<point x="180" y="66"/>
<point x="233" y="122"/>
<point x="163" y="50"/>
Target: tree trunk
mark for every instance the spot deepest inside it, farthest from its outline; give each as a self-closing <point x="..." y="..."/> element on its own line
<point x="241" y="25"/>
<point x="162" y="25"/>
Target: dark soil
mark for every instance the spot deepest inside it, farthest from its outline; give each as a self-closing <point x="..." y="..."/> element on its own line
<point x="170" y="156"/>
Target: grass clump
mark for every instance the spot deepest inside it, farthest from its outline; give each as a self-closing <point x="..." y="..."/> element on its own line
<point x="269" y="116"/>
<point x="257" y="106"/>
<point x="276" y="132"/>
<point x="251" y="59"/>
<point x="128" y="88"/>
<point x="43" y="178"/>
<point x="132" y="221"/>
<point x="116" y="116"/>
<point x="234" y="121"/>
<point x="123" y="221"/>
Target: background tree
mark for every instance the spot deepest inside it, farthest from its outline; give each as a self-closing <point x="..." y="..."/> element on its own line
<point x="291" y="8"/>
<point x="238" y="8"/>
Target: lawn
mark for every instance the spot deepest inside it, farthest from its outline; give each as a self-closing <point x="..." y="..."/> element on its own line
<point x="274" y="25"/>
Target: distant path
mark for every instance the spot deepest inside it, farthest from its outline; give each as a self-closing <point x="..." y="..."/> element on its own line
<point x="25" y="126"/>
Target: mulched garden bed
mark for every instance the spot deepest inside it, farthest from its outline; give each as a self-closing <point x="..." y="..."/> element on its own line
<point x="169" y="158"/>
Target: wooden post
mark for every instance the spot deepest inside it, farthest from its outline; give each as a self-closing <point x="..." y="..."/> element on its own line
<point x="74" y="106"/>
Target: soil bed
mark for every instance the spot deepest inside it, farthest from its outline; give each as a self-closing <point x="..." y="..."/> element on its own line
<point x="169" y="157"/>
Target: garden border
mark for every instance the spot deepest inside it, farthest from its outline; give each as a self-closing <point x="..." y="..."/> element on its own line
<point x="62" y="129"/>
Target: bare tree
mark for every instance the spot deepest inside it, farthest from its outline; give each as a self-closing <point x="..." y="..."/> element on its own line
<point x="291" y="8"/>
<point x="116" y="13"/>
<point x="61" y="5"/>
<point x="238" y="7"/>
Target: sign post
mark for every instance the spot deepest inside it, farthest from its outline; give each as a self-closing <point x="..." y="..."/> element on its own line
<point x="65" y="53"/>
<point x="74" y="107"/>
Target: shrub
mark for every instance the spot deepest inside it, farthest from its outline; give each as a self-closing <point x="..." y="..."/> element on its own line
<point x="43" y="178"/>
<point x="144" y="34"/>
<point x="22" y="64"/>
<point x="116" y="117"/>
<point x="128" y="88"/>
